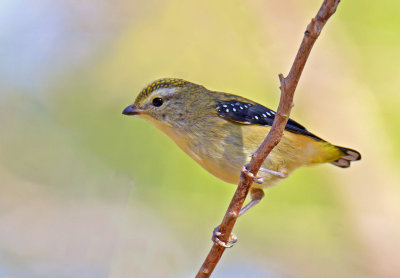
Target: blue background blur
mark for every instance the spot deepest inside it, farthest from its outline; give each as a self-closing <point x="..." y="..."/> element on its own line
<point x="87" y="192"/>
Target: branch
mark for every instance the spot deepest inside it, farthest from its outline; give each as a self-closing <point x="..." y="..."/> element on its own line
<point x="288" y="87"/>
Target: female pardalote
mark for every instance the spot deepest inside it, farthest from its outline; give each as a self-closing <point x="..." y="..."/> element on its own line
<point x="221" y="131"/>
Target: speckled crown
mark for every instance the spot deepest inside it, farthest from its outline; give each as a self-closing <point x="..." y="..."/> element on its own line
<point x="162" y="83"/>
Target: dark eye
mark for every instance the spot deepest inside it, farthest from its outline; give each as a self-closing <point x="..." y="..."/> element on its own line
<point x="157" y="102"/>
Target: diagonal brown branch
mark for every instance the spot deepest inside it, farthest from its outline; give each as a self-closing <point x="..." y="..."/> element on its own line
<point x="288" y="87"/>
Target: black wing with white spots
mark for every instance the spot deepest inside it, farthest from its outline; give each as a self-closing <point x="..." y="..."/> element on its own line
<point x="247" y="113"/>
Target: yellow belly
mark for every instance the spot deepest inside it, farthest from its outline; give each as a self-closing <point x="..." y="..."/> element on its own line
<point x="293" y="151"/>
<point x="227" y="147"/>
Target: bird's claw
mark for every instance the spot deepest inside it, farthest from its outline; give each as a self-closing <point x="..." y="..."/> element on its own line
<point x="256" y="179"/>
<point x="217" y="234"/>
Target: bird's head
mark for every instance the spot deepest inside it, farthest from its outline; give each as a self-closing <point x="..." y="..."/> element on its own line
<point x="166" y="101"/>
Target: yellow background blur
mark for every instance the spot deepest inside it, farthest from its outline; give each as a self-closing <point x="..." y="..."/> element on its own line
<point x="88" y="192"/>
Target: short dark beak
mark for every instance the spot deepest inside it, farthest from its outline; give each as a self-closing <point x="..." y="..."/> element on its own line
<point x="131" y="110"/>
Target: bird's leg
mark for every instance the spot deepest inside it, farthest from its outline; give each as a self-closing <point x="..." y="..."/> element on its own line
<point x="256" y="194"/>
<point x="272" y="172"/>
<point x="249" y="205"/>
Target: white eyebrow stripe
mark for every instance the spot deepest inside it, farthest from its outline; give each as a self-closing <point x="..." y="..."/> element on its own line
<point x="163" y="92"/>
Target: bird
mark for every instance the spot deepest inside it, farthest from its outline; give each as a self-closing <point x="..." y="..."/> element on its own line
<point x="221" y="131"/>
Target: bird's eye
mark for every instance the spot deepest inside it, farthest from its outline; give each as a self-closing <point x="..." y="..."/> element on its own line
<point x="157" y="102"/>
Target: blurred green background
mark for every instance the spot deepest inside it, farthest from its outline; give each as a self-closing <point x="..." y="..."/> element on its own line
<point x="88" y="192"/>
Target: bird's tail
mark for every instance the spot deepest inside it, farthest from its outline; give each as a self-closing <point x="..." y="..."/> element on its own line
<point x="349" y="155"/>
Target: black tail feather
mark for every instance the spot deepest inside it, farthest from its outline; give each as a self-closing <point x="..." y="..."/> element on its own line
<point x="348" y="156"/>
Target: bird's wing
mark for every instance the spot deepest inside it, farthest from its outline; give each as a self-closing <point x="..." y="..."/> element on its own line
<point x="253" y="113"/>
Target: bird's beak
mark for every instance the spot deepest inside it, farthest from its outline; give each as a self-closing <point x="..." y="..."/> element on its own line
<point x="132" y="110"/>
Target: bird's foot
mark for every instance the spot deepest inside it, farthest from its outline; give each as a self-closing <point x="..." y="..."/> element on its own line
<point x="216" y="239"/>
<point x="256" y="179"/>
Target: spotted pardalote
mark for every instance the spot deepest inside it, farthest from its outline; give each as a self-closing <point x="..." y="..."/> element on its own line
<point x="221" y="131"/>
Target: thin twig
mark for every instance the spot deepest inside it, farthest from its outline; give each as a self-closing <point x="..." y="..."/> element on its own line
<point x="288" y="87"/>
